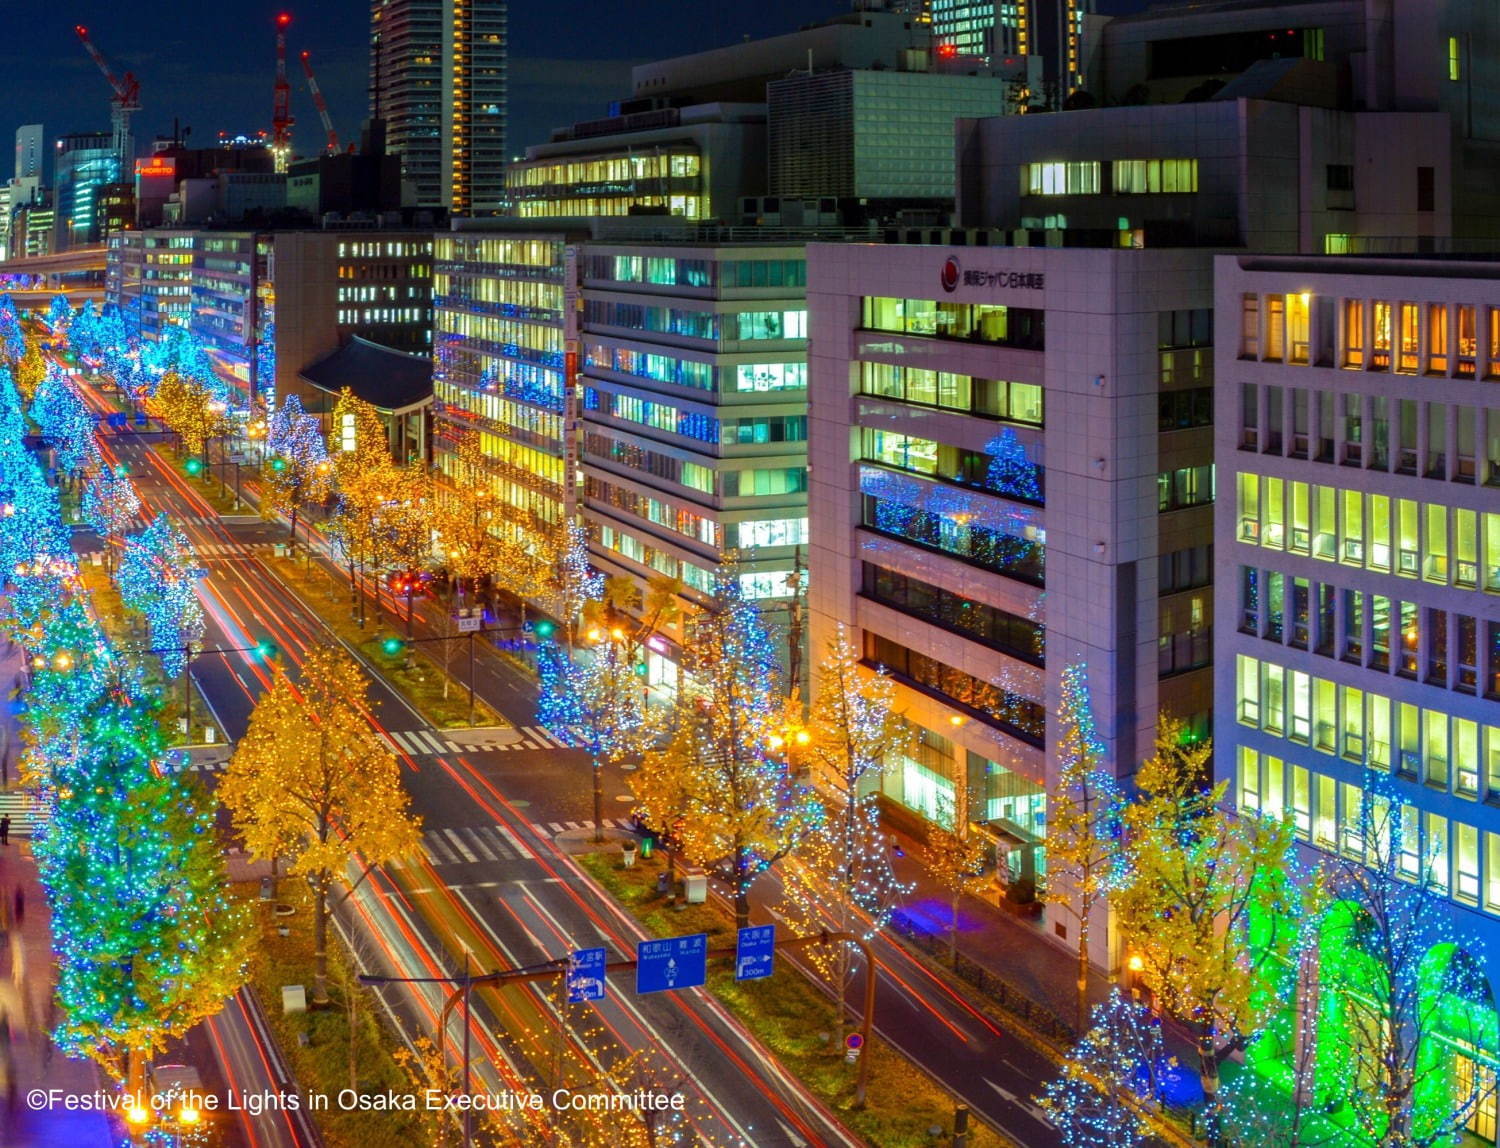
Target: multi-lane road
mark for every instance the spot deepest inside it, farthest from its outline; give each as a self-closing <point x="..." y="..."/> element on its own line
<point x="492" y="883"/>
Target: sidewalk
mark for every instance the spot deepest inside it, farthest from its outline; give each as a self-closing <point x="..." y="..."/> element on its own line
<point x="27" y="1057"/>
<point x="995" y="947"/>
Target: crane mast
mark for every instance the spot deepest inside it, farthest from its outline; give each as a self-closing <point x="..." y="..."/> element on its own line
<point x="125" y="102"/>
<point x="320" y="103"/>
<point x="281" y="111"/>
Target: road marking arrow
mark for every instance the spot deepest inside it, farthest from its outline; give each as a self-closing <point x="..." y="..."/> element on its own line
<point x="1026" y="1106"/>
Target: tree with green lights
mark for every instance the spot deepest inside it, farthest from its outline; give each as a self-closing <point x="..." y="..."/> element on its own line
<point x="311" y="782"/>
<point x="1400" y="989"/>
<point x="1196" y="874"/>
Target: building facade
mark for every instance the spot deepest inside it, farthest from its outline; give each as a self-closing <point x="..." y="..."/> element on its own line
<point x="82" y="165"/>
<point x="693" y="400"/>
<point x="505" y="312"/>
<point x="1359" y="539"/>
<point x="1011" y="476"/>
<point x="438" y="80"/>
<point x="149" y="276"/>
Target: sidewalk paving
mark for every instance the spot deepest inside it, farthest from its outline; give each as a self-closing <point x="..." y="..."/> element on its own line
<point x="28" y="1059"/>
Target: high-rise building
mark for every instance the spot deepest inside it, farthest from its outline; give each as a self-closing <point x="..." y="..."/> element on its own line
<point x="1358" y="652"/>
<point x="31" y="152"/>
<point x="83" y="164"/>
<point x="1052" y="32"/>
<point x="438" y="80"/>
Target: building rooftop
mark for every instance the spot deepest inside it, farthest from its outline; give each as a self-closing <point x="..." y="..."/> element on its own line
<point x="391" y="381"/>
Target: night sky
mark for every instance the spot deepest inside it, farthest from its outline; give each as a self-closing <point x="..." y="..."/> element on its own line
<point x="212" y="62"/>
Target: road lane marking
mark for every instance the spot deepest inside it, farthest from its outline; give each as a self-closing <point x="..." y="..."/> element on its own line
<point x="458" y="843"/>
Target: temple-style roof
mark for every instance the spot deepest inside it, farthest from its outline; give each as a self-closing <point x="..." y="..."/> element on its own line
<point x="390" y="380"/>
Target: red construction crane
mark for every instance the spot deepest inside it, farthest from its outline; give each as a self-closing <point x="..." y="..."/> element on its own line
<point x="126" y="100"/>
<point x="281" y="112"/>
<point x="320" y="103"/>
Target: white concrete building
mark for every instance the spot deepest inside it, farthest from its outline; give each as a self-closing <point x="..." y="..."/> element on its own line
<point x="1008" y="452"/>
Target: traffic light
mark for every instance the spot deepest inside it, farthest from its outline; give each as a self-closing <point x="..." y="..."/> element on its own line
<point x="278" y="464"/>
<point x="391" y="646"/>
<point x="194" y="467"/>
<point x="640" y="669"/>
<point x="266" y="648"/>
<point x="544" y="629"/>
<point x="122" y="469"/>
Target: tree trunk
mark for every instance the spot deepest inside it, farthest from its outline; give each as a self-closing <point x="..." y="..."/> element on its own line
<point x="598" y="801"/>
<point x="953" y="929"/>
<point x="292" y="537"/>
<point x="320" y="942"/>
<point x="410" y="600"/>
<point x="1208" y="1071"/>
<point x="741" y="890"/>
<point x="1082" y="1014"/>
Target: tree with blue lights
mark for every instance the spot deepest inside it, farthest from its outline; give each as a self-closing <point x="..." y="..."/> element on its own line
<point x="739" y="809"/>
<point x="596" y="700"/>
<point x="12" y="336"/>
<point x="177" y="351"/>
<point x="59" y="313"/>
<point x="1010" y="470"/>
<point x="65" y="421"/>
<point x="110" y="505"/>
<point x="1083" y="828"/>
<point x="297" y="471"/>
<point x="1108" y="1094"/>
<point x="158" y="577"/>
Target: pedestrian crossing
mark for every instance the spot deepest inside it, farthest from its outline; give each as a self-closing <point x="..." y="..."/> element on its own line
<point x="421" y="741"/>
<point x="553" y="828"/>
<point x="27" y="814"/>
<point x="482" y="844"/>
<point x="424" y="742"/>
<point x="231" y="549"/>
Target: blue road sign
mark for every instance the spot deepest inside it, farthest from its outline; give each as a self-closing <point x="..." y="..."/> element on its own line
<point x="754" y="952"/>
<point x="586" y="976"/>
<point x="677" y="963"/>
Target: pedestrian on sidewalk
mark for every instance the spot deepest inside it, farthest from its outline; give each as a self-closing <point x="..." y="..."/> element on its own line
<point x="5" y="830"/>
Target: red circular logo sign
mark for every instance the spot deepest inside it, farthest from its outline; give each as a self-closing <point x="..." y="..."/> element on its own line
<point x="950" y="273"/>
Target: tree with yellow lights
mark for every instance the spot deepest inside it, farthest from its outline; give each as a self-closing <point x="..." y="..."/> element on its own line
<point x="31" y="369"/>
<point x="188" y="407"/>
<point x="739" y="810"/>
<point x="310" y="781"/>
<point x="1195" y="875"/>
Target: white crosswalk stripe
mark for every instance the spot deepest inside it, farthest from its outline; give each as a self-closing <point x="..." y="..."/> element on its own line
<point x="543" y="735"/>
<point x="470" y="845"/>
<point x="459" y="844"/>
<point x="437" y="849"/>
<point x="552" y="828"/>
<point x="477" y="842"/>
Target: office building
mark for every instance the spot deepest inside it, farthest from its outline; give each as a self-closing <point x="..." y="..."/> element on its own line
<point x="693" y="400"/>
<point x="880" y="138"/>
<point x="1011" y="475"/>
<point x="227" y="286"/>
<point x="1358" y="535"/>
<point x="31" y="152"/>
<point x="438" y="80"/>
<point x="82" y="165"/>
<point x="149" y="277"/>
<point x="5" y="194"/>
<point x="505" y="314"/>
<point x="1045" y="43"/>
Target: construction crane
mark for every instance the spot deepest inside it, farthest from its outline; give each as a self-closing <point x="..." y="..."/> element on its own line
<point x="125" y="102"/>
<point x="281" y="112"/>
<point x="320" y="103"/>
